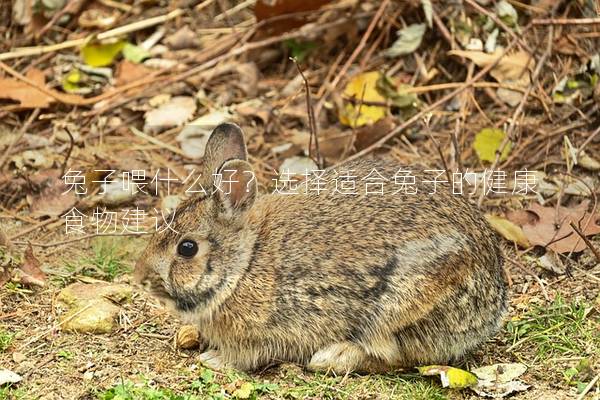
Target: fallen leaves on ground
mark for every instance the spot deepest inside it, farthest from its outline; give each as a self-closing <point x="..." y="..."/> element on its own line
<point x="499" y="380"/>
<point x="28" y="96"/>
<point x="49" y="197"/>
<point x="363" y="90"/>
<point x="511" y="69"/>
<point x="487" y="143"/>
<point x="175" y="112"/>
<point x="101" y="54"/>
<point x="454" y="378"/>
<point x="30" y="273"/>
<point x="508" y="230"/>
<point x="409" y="39"/>
<point x="551" y="229"/>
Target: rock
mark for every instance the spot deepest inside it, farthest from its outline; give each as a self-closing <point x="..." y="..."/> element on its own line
<point x="92" y="307"/>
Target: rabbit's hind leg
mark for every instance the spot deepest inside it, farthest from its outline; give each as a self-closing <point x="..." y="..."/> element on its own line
<point x="345" y="357"/>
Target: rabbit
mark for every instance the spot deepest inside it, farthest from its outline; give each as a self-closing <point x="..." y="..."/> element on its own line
<point x="334" y="282"/>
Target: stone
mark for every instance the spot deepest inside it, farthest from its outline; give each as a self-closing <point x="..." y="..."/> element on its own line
<point x="92" y="307"/>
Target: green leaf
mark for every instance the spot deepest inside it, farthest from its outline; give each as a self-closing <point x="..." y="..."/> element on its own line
<point x="409" y="39"/>
<point x="135" y="54"/>
<point x="101" y="55"/>
<point x="488" y="141"/>
<point x="299" y="50"/>
<point x="451" y="377"/>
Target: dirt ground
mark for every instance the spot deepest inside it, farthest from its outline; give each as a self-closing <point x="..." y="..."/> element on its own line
<point x="472" y="85"/>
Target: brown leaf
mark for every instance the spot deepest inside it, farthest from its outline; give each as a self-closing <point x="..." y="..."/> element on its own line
<point x="27" y="95"/>
<point x="30" y="272"/>
<point x="128" y="72"/>
<point x="277" y="9"/>
<point x="552" y="229"/>
<point x="49" y="198"/>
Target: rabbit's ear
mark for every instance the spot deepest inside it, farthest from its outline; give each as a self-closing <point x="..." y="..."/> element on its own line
<point x="226" y="142"/>
<point x="235" y="187"/>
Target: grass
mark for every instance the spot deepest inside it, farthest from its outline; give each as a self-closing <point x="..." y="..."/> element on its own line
<point x="6" y="339"/>
<point x="109" y="260"/>
<point x="208" y="385"/>
<point x="562" y="328"/>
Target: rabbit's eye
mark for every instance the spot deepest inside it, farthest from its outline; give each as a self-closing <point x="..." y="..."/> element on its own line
<point x="187" y="248"/>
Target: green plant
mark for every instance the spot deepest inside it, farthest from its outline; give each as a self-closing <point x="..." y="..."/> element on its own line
<point x="107" y="261"/>
<point x="562" y="328"/>
<point x="6" y="339"/>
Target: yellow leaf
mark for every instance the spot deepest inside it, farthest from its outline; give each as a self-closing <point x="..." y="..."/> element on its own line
<point x="508" y="230"/>
<point x="451" y="377"/>
<point x="363" y="88"/>
<point x="244" y="392"/>
<point x="488" y="141"/>
<point x="101" y="55"/>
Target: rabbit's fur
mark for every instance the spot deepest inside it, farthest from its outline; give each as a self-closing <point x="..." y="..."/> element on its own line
<point x="361" y="282"/>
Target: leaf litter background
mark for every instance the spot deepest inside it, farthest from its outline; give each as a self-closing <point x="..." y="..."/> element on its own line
<point x="463" y="85"/>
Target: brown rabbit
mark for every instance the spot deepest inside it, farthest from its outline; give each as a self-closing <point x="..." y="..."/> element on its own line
<point x="363" y="282"/>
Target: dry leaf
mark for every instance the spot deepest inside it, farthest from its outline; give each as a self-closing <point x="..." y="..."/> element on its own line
<point x="30" y="272"/>
<point x="266" y="10"/>
<point x="511" y="70"/>
<point x="27" y="95"/>
<point x="544" y="232"/>
<point x="184" y="38"/>
<point x="510" y="67"/>
<point x="128" y="72"/>
<point x="508" y="230"/>
<point x="50" y="198"/>
<point x="176" y="112"/>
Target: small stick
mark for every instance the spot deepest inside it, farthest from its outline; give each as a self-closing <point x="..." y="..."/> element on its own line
<point x="566" y="21"/>
<point x="77" y="239"/>
<point x="586" y="240"/>
<point x="311" y="117"/>
<point x="587" y="141"/>
<point x="355" y="53"/>
<point x="71" y="144"/>
<point x="499" y="22"/>
<point x="527" y="271"/>
<point x="122" y="30"/>
<point x="157" y="142"/>
<point x="463" y="86"/>
<point x="588" y="387"/>
<point x="20" y="135"/>
<point x="509" y="131"/>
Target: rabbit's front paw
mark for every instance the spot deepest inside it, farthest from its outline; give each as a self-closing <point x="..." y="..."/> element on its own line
<point x="341" y="358"/>
<point x="213" y="360"/>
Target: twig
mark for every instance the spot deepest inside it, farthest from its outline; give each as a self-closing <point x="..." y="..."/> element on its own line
<point x="566" y="21"/>
<point x="122" y="30"/>
<point x="20" y="135"/>
<point x="157" y="142"/>
<point x="588" y="387"/>
<point x="587" y="141"/>
<point x="234" y="10"/>
<point x="500" y="23"/>
<point x="77" y="239"/>
<point x="71" y="145"/>
<point x="311" y="118"/>
<point x="586" y="240"/>
<point x="355" y="53"/>
<point x="432" y="107"/>
<point x="33" y="228"/>
<point x="54" y="327"/>
<point x="513" y="121"/>
<point x="527" y="271"/>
